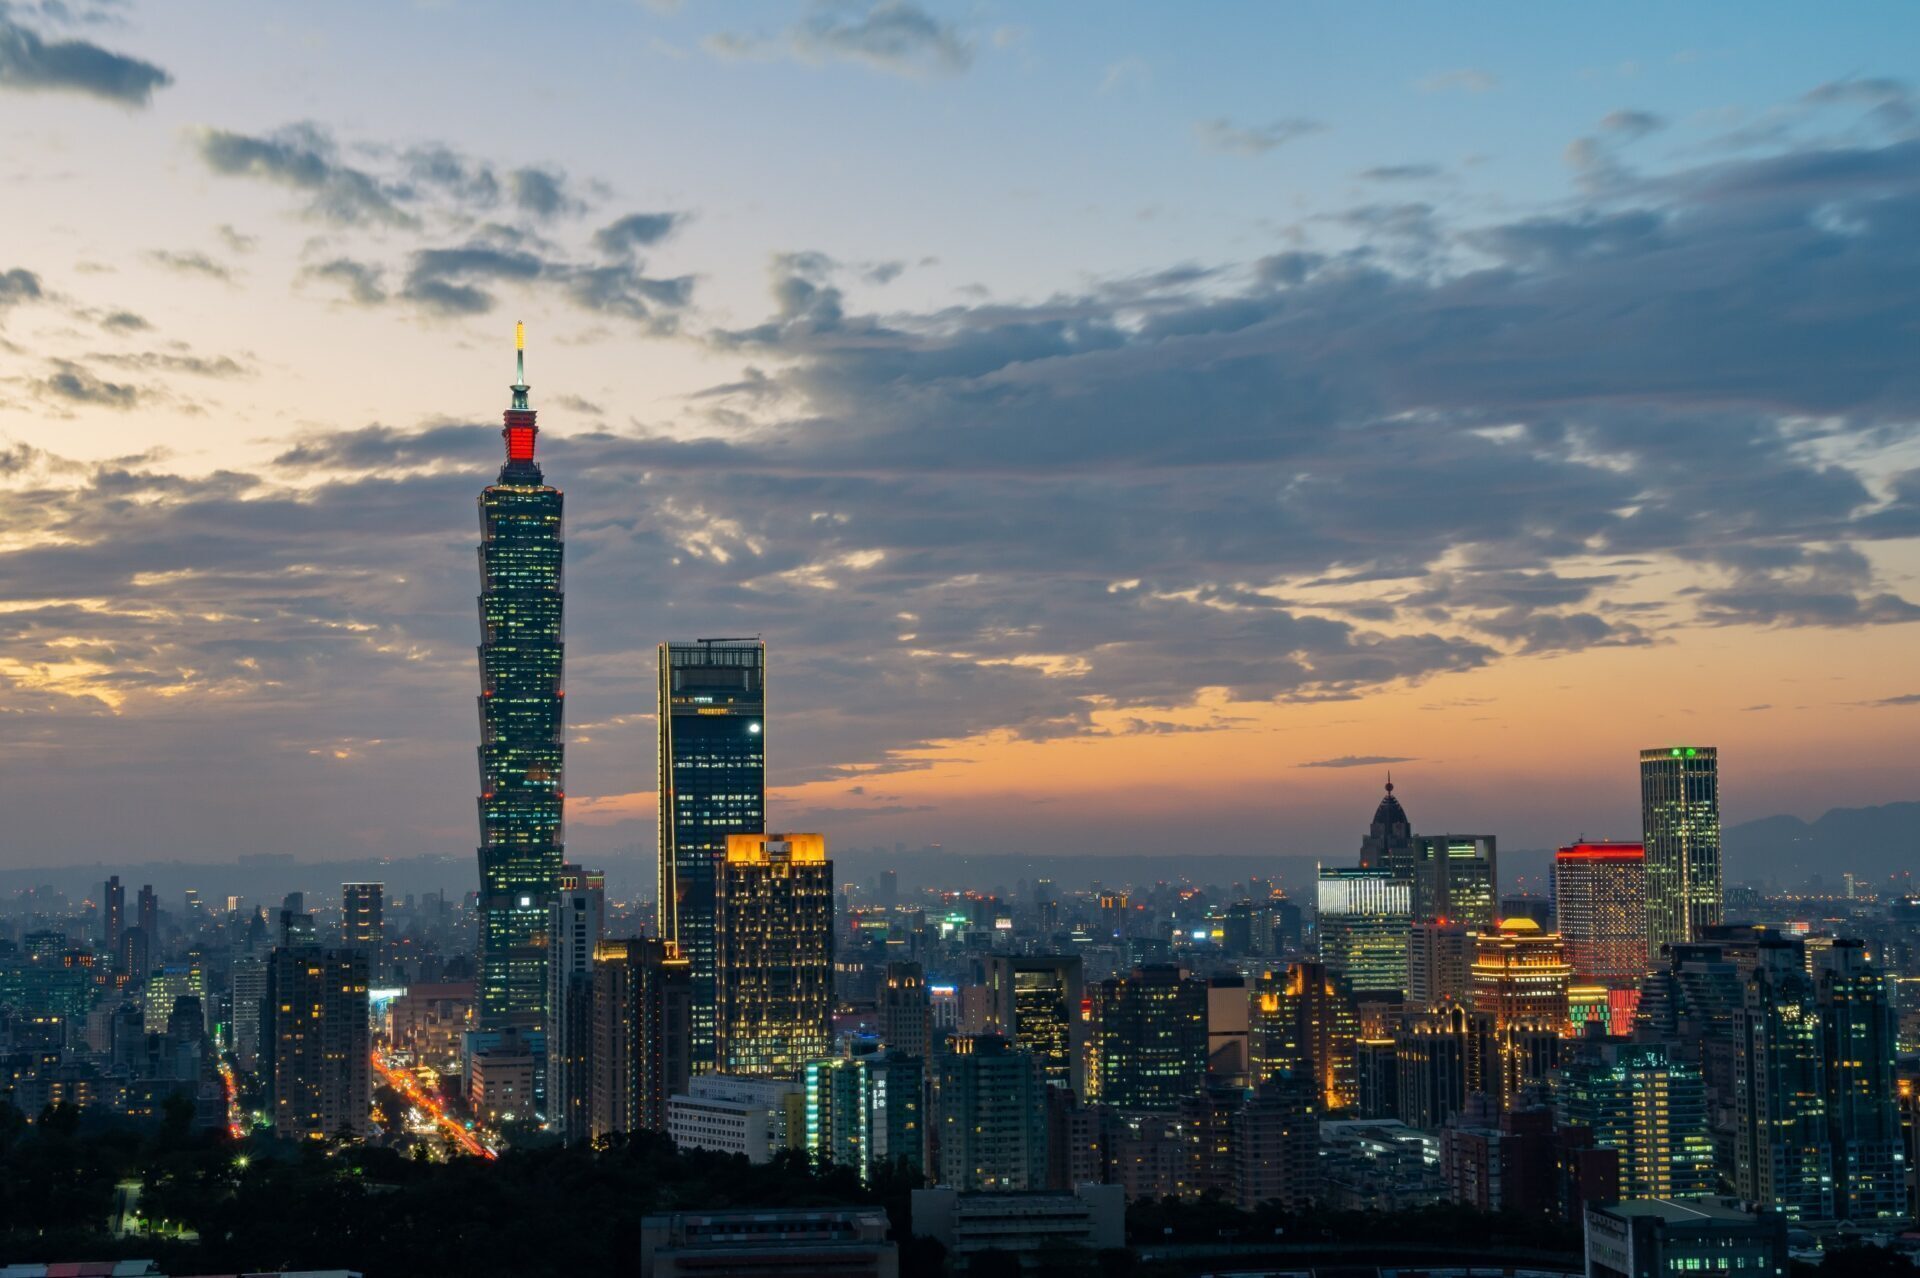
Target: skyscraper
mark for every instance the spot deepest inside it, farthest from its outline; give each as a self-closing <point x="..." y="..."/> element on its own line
<point x="1680" y="830"/>
<point x="1455" y="879"/>
<point x="1148" y="1048"/>
<point x="773" y="954"/>
<point x="1600" y="907"/>
<point x="1520" y="978"/>
<point x="1362" y="918"/>
<point x="712" y="783"/>
<point x="363" y="919"/>
<point x="991" y="1112"/>
<point x="906" y="1018"/>
<point x="522" y="786"/>
<point x="113" y="913"/>
<point x="576" y="923"/>
<point x="642" y="1030"/>
<point x="1303" y="1025"/>
<point x="1637" y="1099"/>
<point x="150" y="916"/>
<point x="1780" y="1087"/>
<point x="1035" y="1003"/>
<point x="1388" y="843"/>
<point x="1863" y="1119"/>
<point x="321" y="1081"/>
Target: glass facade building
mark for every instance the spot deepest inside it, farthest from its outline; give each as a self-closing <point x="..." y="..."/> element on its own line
<point x="1362" y="918"/>
<point x="773" y="944"/>
<point x="712" y="784"/>
<point x="1600" y="907"/>
<point x="522" y="785"/>
<point x="1680" y="829"/>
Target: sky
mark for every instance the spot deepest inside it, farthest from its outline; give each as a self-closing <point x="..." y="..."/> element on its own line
<point x="1130" y="432"/>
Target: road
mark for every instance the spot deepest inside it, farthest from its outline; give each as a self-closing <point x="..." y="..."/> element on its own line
<point x="408" y="1086"/>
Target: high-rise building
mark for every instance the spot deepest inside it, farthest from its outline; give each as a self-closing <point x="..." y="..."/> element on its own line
<point x="363" y="920"/>
<point x="149" y="916"/>
<point x="576" y="924"/>
<point x="1362" y="917"/>
<point x="1858" y="1027"/>
<point x="1440" y="1059"/>
<point x="1035" y="1003"/>
<point x="773" y="954"/>
<point x="322" y="1083"/>
<point x="991" y="1114"/>
<point x="1303" y="1025"/>
<point x="1780" y="1085"/>
<point x="1637" y="1099"/>
<point x="1680" y="831"/>
<point x="1456" y="879"/>
<point x="1600" y="908"/>
<point x="1520" y="979"/>
<point x="251" y="1010"/>
<point x="113" y="913"/>
<point x="865" y="1112"/>
<point x="1148" y="1046"/>
<point x="522" y="699"/>
<point x="906" y="1017"/>
<point x="642" y="1048"/>
<point x="712" y="784"/>
<point x="1388" y="844"/>
<point x="1439" y="964"/>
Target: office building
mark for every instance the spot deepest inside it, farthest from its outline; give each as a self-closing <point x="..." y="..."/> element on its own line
<point x="753" y="1117"/>
<point x="642" y="1026"/>
<point x="1658" y="1238"/>
<point x="576" y="925"/>
<point x="773" y="953"/>
<point x="1520" y="979"/>
<point x="1034" y="1002"/>
<point x="522" y="697"/>
<point x="1441" y="1058"/>
<point x="1388" y="844"/>
<point x="1858" y="1031"/>
<point x="1455" y="879"/>
<point x="1362" y="918"/>
<point x="1439" y="964"/>
<point x="905" y="1013"/>
<point x="769" y="1242"/>
<point x="1303" y="1026"/>
<point x="363" y="922"/>
<point x="990" y="1112"/>
<point x="321" y="1078"/>
<point x="866" y="1112"/>
<point x="712" y="784"/>
<point x="149" y="915"/>
<point x="1638" y="1099"/>
<point x="113" y="914"/>
<point x="1780" y="1084"/>
<point x="1680" y="832"/>
<point x="1229" y="1030"/>
<point x="1147" y="1048"/>
<point x="248" y="981"/>
<point x="1600" y="909"/>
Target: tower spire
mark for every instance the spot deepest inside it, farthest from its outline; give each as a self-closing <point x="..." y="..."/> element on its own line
<point x="520" y="419"/>
<point x="519" y="387"/>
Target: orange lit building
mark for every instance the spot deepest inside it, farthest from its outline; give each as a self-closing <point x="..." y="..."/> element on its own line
<point x="1520" y="981"/>
<point x="773" y="949"/>
<point x="1303" y="1024"/>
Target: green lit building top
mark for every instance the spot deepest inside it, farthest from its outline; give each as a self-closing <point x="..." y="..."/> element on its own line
<point x="522" y="784"/>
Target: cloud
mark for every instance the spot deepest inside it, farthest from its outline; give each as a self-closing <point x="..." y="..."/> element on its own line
<point x="303" y="157"/>
<point x="364" y="281"/>
<point x="1223" y="135"/>
<point x="191" y="263"/>
<point x="541" y="192"/>
<point x="1905" y="699"/>
<point x="124" y="322"/>
<point x="895" y="36"/>
<point x="1401" y="173"/>
<point x="73" y="384"/>
<point x="1632" y="125"/>
<point x="1358" y="761"/>
<point x="18" y="285"/>
<point x="1459" y="80"/>
<point x="636" y="230"/>
<point x="30" y="63"/>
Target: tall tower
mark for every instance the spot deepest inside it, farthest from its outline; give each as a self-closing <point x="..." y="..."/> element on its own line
<point x="1680" y="824"/>
<point x="1600" y="907"/>
<point x="773" y="954"/>
<point x="712" y="784"/>
<point x="1389" y="841"/>
<point x="522" y="787"/>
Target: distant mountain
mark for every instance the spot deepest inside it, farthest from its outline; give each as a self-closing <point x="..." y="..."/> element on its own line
<point x="1869" y="842"/>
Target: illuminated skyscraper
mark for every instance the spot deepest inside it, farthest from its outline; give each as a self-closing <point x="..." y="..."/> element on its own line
<point x="773" y="954"/>
<point x="576" y="924"/>
<point x="1035" y="1003"/>
<point x="1600" y="907"/>
<point x="1857" y="1024"/>
<point x="1439" y="964"/>
<point x="865" y="1112"/>
<point x="712" y="784"/>
<point x="363" y="920"/>
<point x="1148" y="1048"/>
<point x="1680" y="829"/>
<point x="642" y="1035"/>
<point x="321" y="1074"/>
<point x="1637" y="1099"/>
<point x="1780" y="1088"/>
<point x="113" y="913"/>
<point x="1388" y="844"/>
<point x="1303" y="1025"/>
<point x="1362" y="918"/>
<point x="522" y="788"/>
<point x="1455" y="879"/>
<point x="1520" y="978"/>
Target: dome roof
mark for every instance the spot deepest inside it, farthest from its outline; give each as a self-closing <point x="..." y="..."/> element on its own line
<point x="1390" y="812"/>
<point x="1519" y="923"/>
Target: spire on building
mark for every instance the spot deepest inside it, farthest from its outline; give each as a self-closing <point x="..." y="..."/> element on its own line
<point x="520" y="429"/>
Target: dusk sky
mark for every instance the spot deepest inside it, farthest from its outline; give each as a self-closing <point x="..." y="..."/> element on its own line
<point x="1133" y="427"/>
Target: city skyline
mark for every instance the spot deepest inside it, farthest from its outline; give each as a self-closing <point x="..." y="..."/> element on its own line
<point x="959" y="448"/>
